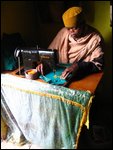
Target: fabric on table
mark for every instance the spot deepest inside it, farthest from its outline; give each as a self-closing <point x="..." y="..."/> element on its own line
<point x="48" y="115"/>
<point x="55" y="79"/>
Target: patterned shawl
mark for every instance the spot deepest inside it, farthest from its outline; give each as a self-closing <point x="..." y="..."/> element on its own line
<point x="87" y="48"/>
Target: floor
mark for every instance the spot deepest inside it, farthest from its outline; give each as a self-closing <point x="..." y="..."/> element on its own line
<point x="9" y="145"/>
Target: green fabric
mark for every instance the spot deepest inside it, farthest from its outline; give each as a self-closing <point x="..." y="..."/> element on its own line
<point x="10" y="63"/>
<point x="47" y="115"/>
<point x="55" y="78"/>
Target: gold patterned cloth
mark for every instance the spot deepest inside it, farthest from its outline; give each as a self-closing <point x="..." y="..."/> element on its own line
<point x="48" y="115"/>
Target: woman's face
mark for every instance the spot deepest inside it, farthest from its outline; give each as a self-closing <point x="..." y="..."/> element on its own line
<point x="76" y="31"/>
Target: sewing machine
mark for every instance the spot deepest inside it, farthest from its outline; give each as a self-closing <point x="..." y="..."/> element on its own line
<point x="31" y="57"/>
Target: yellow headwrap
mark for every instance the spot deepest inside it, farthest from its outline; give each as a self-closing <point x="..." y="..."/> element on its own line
<point x="70" y="16"/>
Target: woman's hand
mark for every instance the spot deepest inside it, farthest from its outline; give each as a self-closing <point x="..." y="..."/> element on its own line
<point x="40" y="68"/>
<point x="70" y="70"/>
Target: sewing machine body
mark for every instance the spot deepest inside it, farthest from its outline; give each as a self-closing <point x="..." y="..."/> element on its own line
<point x="31" y="57"/>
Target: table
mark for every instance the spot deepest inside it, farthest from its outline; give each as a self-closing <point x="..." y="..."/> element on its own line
<point x="90" y="82"/>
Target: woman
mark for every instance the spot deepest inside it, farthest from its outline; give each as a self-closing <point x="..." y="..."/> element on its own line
<point x="78" y="44"/>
